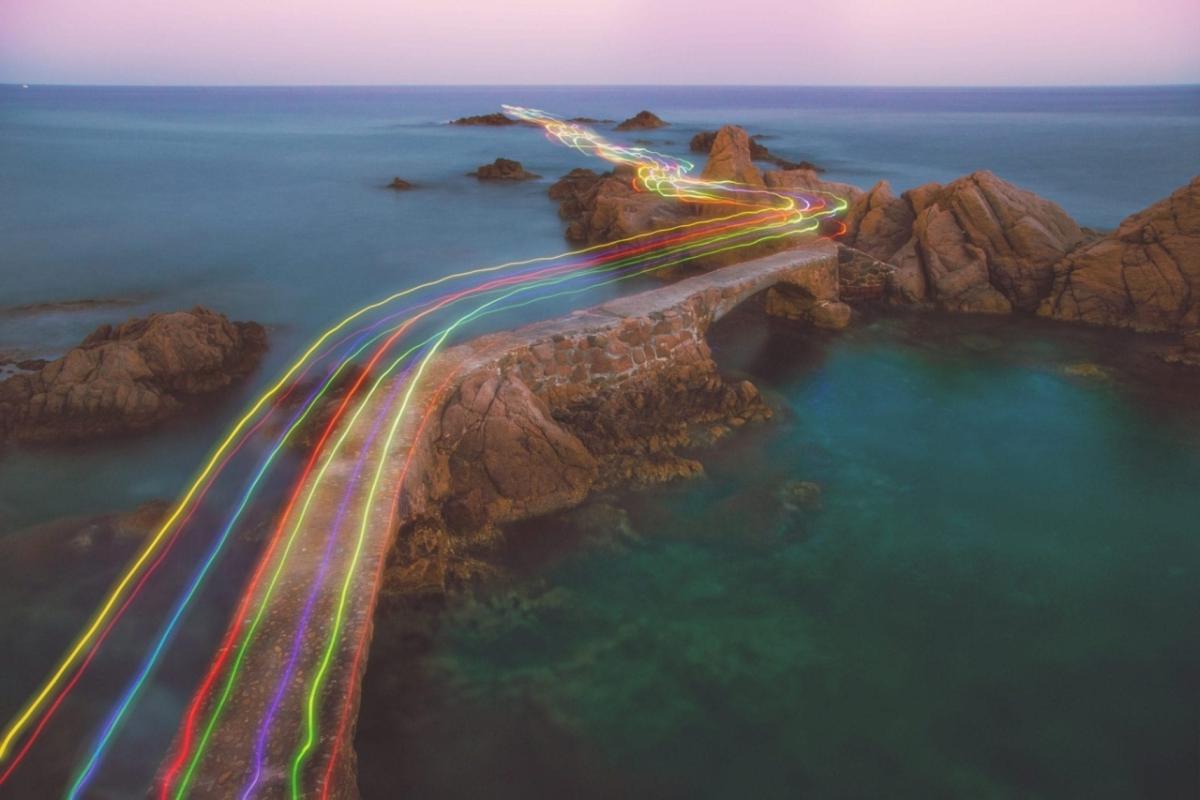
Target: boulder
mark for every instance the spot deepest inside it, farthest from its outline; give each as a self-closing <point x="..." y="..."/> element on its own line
<point x="605" y="207"/>
<point x="129" y="377"/>
<point x="503" y="169"/>
<point x="1144" y="275"/>
<point x="641" y="121"/>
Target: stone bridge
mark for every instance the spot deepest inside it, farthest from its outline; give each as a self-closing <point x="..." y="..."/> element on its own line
<point x="503" y="427"/>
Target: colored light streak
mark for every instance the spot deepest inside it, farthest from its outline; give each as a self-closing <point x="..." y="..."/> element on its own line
<point x="759" y="215"/>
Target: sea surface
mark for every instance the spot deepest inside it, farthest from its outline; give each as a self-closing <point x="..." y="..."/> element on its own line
<point x="996" y="599"/>
<point x="962" y="561"/>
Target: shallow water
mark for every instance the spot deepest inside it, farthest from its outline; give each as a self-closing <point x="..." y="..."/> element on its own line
<point x="994" y="596"/>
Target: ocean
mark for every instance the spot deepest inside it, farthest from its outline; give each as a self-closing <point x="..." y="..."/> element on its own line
<point x="995" y="599"/>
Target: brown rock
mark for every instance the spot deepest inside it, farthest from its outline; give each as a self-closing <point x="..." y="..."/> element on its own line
<point x="729" y="158"/>
<point x="494" y="119"/>
<point x="601" y="208"/>
<point x="1144" y="275"/>
<point x="641" y="121"/>
<point x="978" y="244"/>
<point x="503" y="169"/>
<point x="399" y="184"/>
<point x="129" y="377"/>
<point x="702" y="143"/>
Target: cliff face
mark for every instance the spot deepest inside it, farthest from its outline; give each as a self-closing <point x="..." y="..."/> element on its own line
<point x="1144" y="275"/>
<point x="129" y="377"/>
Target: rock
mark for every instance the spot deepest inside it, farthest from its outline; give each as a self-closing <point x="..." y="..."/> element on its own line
<point x="978" y="244"/>
<point x="503" y="169"/>
<point x="588" y="121"/>
<point x="702" y="143"/>
<point x="729" y="158"/>
<point x="1086" y="369"/>
<point x="813" y="297"/>
<point x="807" y="180"/>
<point x="399" y="184"/>
<point x="602" y="208"/>
<point x="495" y="119"/>
<point x="806" y="495"/>
<point x="641" y="121"/>
<point x="31" y="364"/>
<point x="861" y="277"/>
<point x="130" y="377"/>
<point x="1144" y="275"/>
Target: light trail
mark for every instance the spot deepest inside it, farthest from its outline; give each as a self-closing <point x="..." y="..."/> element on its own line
<point x="759" y="216"/>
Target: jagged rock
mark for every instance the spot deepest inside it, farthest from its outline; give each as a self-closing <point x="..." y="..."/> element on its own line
<point x="729" y="158"/>
<point x="1144" y="275"/>
<point x="399" y="184"/>
<point x="509" y="459"/>
<point x="978" y="244"/>
<point x="129" y="377"/>
<point x="807" y="180"/>
<point x="602" y="208"/>
<point x="641" y="121"/>
<point x="503" y="169"/>
<point x="495" y="119"/>
<point x="703" y="142"/>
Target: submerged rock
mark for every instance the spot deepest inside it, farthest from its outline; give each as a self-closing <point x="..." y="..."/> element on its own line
<point x="129" y="377"/>
<point x="503" y="169"/>
<point x="1144" y="275"/>
<point x="641" y="121"/>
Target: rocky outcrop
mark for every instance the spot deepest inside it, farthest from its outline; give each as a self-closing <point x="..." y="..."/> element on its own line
<point x="641" y="121"/>
<point x="978" y="244"/>
<point x="605" y="207"/>
<point x="703" y="143"/>
<point x="504" y="169"/>
<point x="493" y="119"/>
<point x="400" y="185"/>
<point x="729" y="158"/>
<point x="1144" y="275"/>
<point x="129" y="377"/>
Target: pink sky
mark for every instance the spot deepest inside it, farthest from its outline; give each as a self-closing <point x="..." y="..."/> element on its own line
<point x="909" y="42"/>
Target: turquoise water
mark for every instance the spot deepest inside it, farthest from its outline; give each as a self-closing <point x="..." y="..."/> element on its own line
<point x="995" y="596"/>
<point x="266" y="203"/>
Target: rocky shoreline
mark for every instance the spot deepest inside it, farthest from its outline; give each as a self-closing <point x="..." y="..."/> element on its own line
<point x="129" y="377"/>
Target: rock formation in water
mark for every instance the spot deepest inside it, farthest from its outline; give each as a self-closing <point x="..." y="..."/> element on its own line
<point x="978" y="244"/>
<point x="129" y="377"/>
<point x="400" y="185"/>
<point x="729" y="158"/>
<point x="1144" y="275"/>
<point x="493" y="119"/>
<point x="641" y="121"/>
<point x="605" y="207"/>
<point x="703" y="143"/>
<point x="503" y="169"/>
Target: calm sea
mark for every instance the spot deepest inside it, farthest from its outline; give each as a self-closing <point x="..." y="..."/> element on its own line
<point x="998" y="598"/>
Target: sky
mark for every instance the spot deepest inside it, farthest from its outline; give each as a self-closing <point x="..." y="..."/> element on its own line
<point x="794" y="42"/>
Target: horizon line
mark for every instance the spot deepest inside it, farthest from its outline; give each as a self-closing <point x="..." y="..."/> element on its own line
<point x="55" y="85"/>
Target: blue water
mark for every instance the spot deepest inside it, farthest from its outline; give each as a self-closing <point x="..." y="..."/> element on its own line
<point x="995" y="596"/>
<point x="266" y="203"/>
